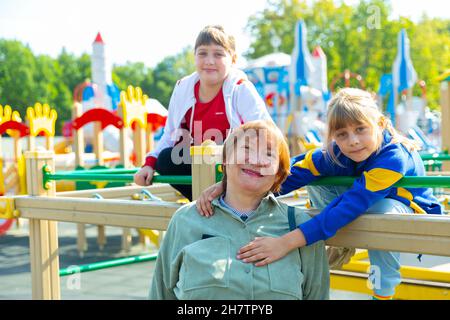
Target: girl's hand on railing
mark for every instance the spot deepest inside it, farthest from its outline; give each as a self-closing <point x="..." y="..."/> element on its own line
<point x="144" y="176"/>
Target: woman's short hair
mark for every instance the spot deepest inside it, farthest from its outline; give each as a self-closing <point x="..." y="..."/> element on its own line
<point x="216" y="34"/>
<point x="274" y="134"/>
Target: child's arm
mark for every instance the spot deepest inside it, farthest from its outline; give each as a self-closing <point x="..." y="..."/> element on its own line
<point x="203" y="203"/>
<point x="306" y="168"/>
<point x="265" y="250"/>
<point x="374" y="185"/>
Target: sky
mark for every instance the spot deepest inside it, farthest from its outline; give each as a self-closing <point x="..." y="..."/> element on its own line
<point x="143" y="30"/>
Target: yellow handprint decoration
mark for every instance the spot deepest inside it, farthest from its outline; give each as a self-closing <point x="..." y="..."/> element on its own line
<point x="133" y="103"/>
<point x="6" y="114"/>
<point x="41" y="118"/>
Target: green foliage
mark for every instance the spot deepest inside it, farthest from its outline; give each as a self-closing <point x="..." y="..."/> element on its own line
<point x="361" y="38"/>
<point x="157" y="83"/>
<point x="26" y="79"/>
<point x="17" y="75"/>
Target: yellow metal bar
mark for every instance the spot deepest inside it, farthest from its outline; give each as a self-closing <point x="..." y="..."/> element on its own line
<point x="208" y="147"/>
<point x="361" y="255"/>
<point x="2" y="179"/>
<point x="407" y="272"/>
<point x="355" y="282"/>
<point x="7" y="209"/>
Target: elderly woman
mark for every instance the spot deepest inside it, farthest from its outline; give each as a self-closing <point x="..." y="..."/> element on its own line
<point x="197" y="259"/>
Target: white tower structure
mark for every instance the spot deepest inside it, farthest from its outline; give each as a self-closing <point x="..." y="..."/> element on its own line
<point x="101" y="74"/>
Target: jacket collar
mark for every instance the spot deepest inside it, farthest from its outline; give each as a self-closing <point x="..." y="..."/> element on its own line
<point x="268" y="200"/>
<point x="187" y="84"/>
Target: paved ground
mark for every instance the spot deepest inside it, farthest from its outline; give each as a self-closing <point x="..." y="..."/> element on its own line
<point x="125" y="282"/>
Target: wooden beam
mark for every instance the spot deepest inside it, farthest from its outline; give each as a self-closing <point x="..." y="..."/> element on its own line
<point x="108" y="206"/>
<point x="89" y="217"/>
<point x="427" y="234"/>
<point x="43" y="233"/>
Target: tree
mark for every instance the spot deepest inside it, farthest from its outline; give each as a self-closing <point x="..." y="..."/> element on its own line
<point x="362" y="38"/>
<point x="168" y="72"/>
<point x="17" y="75"/>
<point x="135" y="74"/>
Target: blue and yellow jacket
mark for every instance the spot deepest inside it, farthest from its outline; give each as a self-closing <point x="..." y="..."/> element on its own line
<point x="376" y="175"/>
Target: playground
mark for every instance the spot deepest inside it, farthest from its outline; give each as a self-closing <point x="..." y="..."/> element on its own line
<point x="73" y="225"/>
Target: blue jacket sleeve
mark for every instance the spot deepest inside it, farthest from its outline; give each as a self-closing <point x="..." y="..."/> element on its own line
<point x="306" y="168"/>
<point x="374" y="184"/>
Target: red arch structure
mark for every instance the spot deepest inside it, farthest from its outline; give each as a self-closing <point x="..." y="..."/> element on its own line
<point x="5" y="224"/>
<point x="14" y="125"/>
<point x="156" y="120"/>
<point x="105" y="117"/>
<point x="23" y="130"/>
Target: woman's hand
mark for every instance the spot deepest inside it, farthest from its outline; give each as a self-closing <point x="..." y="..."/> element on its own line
<point x="144" y="176"/>
<point x="265" y="250"/>
<point x="206" y="197"/>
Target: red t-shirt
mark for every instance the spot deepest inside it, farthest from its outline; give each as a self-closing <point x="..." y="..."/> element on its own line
<point x="211" y="115"/>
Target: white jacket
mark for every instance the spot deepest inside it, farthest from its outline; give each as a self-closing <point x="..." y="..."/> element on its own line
<point x="242" y="102"/>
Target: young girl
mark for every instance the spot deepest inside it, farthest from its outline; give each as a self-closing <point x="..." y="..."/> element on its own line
<point x="204" y="105"/>
<point x="361" y="142"/>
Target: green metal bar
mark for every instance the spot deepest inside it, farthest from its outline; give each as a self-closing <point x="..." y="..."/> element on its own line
<point x="107" y="264"/>
<point x="417" y="182"/>
<point x="436" y="156"/>
<point x="91" y="177"/>
<point x="102" y="171"/>
<point x="412" y="182"/>
<point x="76" y="176"/>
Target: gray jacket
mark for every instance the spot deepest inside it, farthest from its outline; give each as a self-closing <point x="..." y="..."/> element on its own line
<point x="197" y="259"/>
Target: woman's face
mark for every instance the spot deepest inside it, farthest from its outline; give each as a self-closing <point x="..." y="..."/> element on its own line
<point x="213" y="63"/>
<point x="253" y="165"/>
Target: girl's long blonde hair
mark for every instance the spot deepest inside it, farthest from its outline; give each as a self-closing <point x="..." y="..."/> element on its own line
<point x="351" y="106"/>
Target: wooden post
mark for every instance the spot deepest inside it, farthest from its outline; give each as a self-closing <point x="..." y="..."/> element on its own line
<point x="32" y="143"/>
<point x="124" y="156"/>
<point x="98" y="150"/>
<point x="445" y="119"/>
<point x="78" y="140"/>
<point x="49" y="143"/>
<point x="43" y="233"/>
<point x="125" y="160"/>
<point x="2" y="177"/>
<point x="17" y="156"/>
<point x="78" y="136"/>
<point x="204" y="160"/>
<point x="97" y="140"/>
<point x="139" y="145"/>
